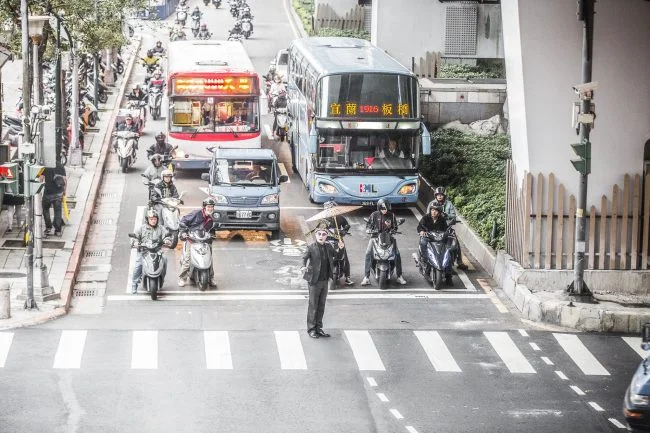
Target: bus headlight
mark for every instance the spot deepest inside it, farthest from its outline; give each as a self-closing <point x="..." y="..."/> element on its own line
<point x="178" y="153"/>
<point x="327" y="188"/>
<point x="407" y="189"/>
<point x="220" y="199"/>
<point x="271" y="199"/>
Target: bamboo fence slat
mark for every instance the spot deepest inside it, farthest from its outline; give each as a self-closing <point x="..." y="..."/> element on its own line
<point x="646" y="224"/>
<point x="636" y="193"/>
<point x="592" y="237"/>
<point x="538" y="221"/>
<point x="624" y="221"/>
<point x="559" y="240"/>
<point x="572" y="231"/>
<point x="603" y="233"/>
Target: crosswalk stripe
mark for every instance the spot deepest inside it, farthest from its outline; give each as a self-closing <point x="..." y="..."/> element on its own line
<point x="290" y="350"/>
<point x="364" y="351"/>
<point x="509" y="353"/>
<point x="217" y="350"/>
<point x="580" y="355"/>
<point x="635" y="344"/>
<point x="5" y="344"/>
<point x="437" y="351"/>
<point x="70" y="349"/>
<point x="144" y="351"/>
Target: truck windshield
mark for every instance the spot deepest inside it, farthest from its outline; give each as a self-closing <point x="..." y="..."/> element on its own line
<point x="366" y="152"/>
<point x="256" y="172"/>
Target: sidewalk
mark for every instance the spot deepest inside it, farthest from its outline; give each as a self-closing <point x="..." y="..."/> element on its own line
<point x="61" y="254"/>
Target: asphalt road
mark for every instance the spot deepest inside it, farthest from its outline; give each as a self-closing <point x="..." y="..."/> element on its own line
<point x="238" y="359"/>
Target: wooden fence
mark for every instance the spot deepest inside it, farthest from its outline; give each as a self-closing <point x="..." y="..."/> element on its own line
<point x="425" y="67"/>
<point x="617" y="233"/>
<point x="325" y="17"/>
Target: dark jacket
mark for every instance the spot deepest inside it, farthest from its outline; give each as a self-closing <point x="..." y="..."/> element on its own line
<point x="376" y="222"/>
<point x="341" y="221"/>
<point x="55" y="180"/>
<point x="163" y="190"/>
<point x="156" y="148"/>
<point x="428" y="225"/>
<point x="194" y="221"/>
<point x="312" y="255"/>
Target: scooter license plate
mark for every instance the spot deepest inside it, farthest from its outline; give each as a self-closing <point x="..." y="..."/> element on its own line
<point x="244" y="214"/>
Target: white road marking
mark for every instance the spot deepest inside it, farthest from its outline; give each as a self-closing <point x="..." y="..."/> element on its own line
<point x="596" y="406"/>
<point x="437" y="351"/>
<point x="301" y="207"/>
<point x="291" y="23"/>
<point x="523" y="332"/>
<point x="267" y="130"/>
<point x="144" y="351"/>
<point x="217" y="350"/>
<point x="287" y="241"/>
<point x="382" y="397"/>
<point x="203" y="189"/>
<point x="465" y="279"/>
<point x="258" y="297"/>
<point x="635" y="344"/>
<point x="509" y="353"/>
<point x="547" y="361"/>
<point x="411" y="429"/>
<point x="139" y="214"/>
<point x="70" y="349"/>
<point x="396" y="414"/>
<point x="290" y="350"/>
<point x="371" y="381"/>
<point x="534" y="346"/>
<point x="561" y="375"/>
<point x="364" y="351"/>
<point x="416" y="212"/>
<point x="5" y="344"/>
<point x="283" y="171"/>
<point x="580" y="355"/>
<point x="616" y="422"/>
<point x="577" y="390"/>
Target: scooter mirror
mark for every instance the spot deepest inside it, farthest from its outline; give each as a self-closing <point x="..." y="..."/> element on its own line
<point x="132" y="235"/>
<point x="205" y="177"/>
<point x="400" y="221"/>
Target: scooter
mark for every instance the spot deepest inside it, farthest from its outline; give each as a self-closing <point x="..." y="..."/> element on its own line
<point x="236" y="36"/>
<point x="637" y="397"/>
<point x="234" y="9"/>
<point x="154" y="101"/>
<point x="282" y="123"/>
<point x="383" y="253"/>
<point x="440" y="258"/>
<point x="195" y="26"/>
<point x="204" y="36"/>
<point x="200" y="257"/>
<point x="333" y="239"/>
<point x="125" y="146"/>
<point x="206" y="2"/>
<point x="170" y="216"/>
<point x="216" y="3"/>
<point x="89" y="110"/>
<point x="246" y="27"/>
<point x="181" y="17"/>
<point x="153" y="265"/>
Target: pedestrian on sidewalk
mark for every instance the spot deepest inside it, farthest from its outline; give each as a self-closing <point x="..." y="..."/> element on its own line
<point x="318" y="266"/>
<point x="55" y="186"/>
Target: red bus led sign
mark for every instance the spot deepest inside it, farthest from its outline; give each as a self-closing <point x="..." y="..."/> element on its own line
<point x="211" y="86"/>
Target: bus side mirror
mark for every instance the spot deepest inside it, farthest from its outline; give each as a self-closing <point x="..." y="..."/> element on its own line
<point x="284" y="178"/>
<point x="313" y="138"/>
<point x="205" y="177"/>
<point x="426" y="141"/>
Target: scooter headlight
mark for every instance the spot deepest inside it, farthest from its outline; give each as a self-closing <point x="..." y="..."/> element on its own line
<point x="639" y="399"/>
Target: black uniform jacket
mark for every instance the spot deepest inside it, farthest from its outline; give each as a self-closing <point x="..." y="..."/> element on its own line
<point x="312" y="255"/>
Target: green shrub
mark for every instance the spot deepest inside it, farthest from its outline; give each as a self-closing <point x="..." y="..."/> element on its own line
<point x="455" y="70"/>
<point x="473" y="168"/>
<point x="361" y="34"/>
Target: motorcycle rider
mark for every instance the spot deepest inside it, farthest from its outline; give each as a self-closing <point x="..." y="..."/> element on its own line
<point x="158" y="50"/>
<point x="150" y="61"/>
<point x="127" y="124"/>
<point x="380" y="220"/>
<point x="280" y="102"/>
<point x="196" y="14"/>
<point x="449" y="213"/>
<point x="197" y="219"/>
<point x="343" y="226"/>
<point x="155" y="169"/>
<point x="182" y="7"/>
<point x="160" y="147"/>
<point x="164" y="188"/>
<point x="203" y="32"/>
<point x="433" y="221"/>
<point x="151" y="231"/>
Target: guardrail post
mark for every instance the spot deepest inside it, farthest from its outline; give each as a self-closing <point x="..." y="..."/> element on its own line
<point x="5" y="301"/>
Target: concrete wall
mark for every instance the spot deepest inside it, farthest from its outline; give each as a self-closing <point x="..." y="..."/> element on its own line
<point x="410" y="28"/>
<point x="543" y="42"/>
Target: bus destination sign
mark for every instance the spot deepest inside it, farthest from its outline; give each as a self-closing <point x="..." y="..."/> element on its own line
<point x="213" y="86"/>
<point x="352" y="109"/>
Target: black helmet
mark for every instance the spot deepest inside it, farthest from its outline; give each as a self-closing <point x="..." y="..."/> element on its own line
<point x="150" y="53"/>
<point x="159" y="43"/>
<point x="434" y="205"/>
<point x="160" y="138"/>
<point x="328" y="204"/>
<point x="383" y="204"/>
<point x="208" y="201"/>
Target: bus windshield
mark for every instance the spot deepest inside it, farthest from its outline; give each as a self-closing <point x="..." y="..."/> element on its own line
<point x="370" y="95"/>
<point x="344" y="150"/>
<point x="210" y="114"/>
<point x="257" y="172"/>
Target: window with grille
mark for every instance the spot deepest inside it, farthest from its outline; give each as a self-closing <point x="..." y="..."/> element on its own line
<point x="461" y="20"/>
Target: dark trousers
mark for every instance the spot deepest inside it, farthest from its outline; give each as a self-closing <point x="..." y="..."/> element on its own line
<point x="56" y="202"/>
<point x="368" y="264"/>
<point x="423" y="249"/>
<point x="346" y="263"/>
<point x="316" y="308"/>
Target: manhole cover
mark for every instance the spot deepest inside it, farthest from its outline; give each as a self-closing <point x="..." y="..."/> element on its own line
<point x="83" y="292"/>
<point x="17" y="243"/>
<point x="106" y="221"/>
<point x="12" y="274"/>
<point x="99" y="253"/>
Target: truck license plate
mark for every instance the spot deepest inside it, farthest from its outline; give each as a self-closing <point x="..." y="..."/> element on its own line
<point x="244" y="214"/>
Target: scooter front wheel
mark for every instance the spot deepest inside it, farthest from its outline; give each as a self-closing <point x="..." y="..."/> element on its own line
<point x="153" y="287"/>
<point x="203" y="278"/>
<point x="92" y="119"/>
<point x="174" y="242"/>
<point x="125" y="165"/>
<point x="437" y="277"/>
<point x="383" y="280"/>
<point x="103" y="97"/>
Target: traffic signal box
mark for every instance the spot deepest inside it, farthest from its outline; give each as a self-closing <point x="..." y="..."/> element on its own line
<point x="33" y="179"/>
<point x="9" y="177"/>
<point x="583" y="150"/>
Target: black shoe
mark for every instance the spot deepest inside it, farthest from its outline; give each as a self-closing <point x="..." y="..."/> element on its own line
<point x="313" y="333"/>
<point x="48" y="231"/>
<point x="322" y="333"/>
<point x="448" y="280"/>
<point x="462" y="266"/>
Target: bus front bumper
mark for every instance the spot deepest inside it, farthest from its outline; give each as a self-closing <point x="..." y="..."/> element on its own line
<point x="363" y="201"/>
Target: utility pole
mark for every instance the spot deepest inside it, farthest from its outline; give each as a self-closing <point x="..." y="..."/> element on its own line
<point x="578" y="288"/>
<point x="58" y="109"/>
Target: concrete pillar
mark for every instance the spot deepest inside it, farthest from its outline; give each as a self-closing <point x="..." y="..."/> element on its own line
<point x="5" y="301"/>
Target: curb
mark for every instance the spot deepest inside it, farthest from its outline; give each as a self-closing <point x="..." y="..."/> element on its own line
<point x="37" y="319"/>
<point x="296" y="19"/>
<point x="80" y="241"/>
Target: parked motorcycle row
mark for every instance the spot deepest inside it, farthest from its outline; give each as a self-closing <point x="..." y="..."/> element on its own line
<point x="243" y="27"/>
